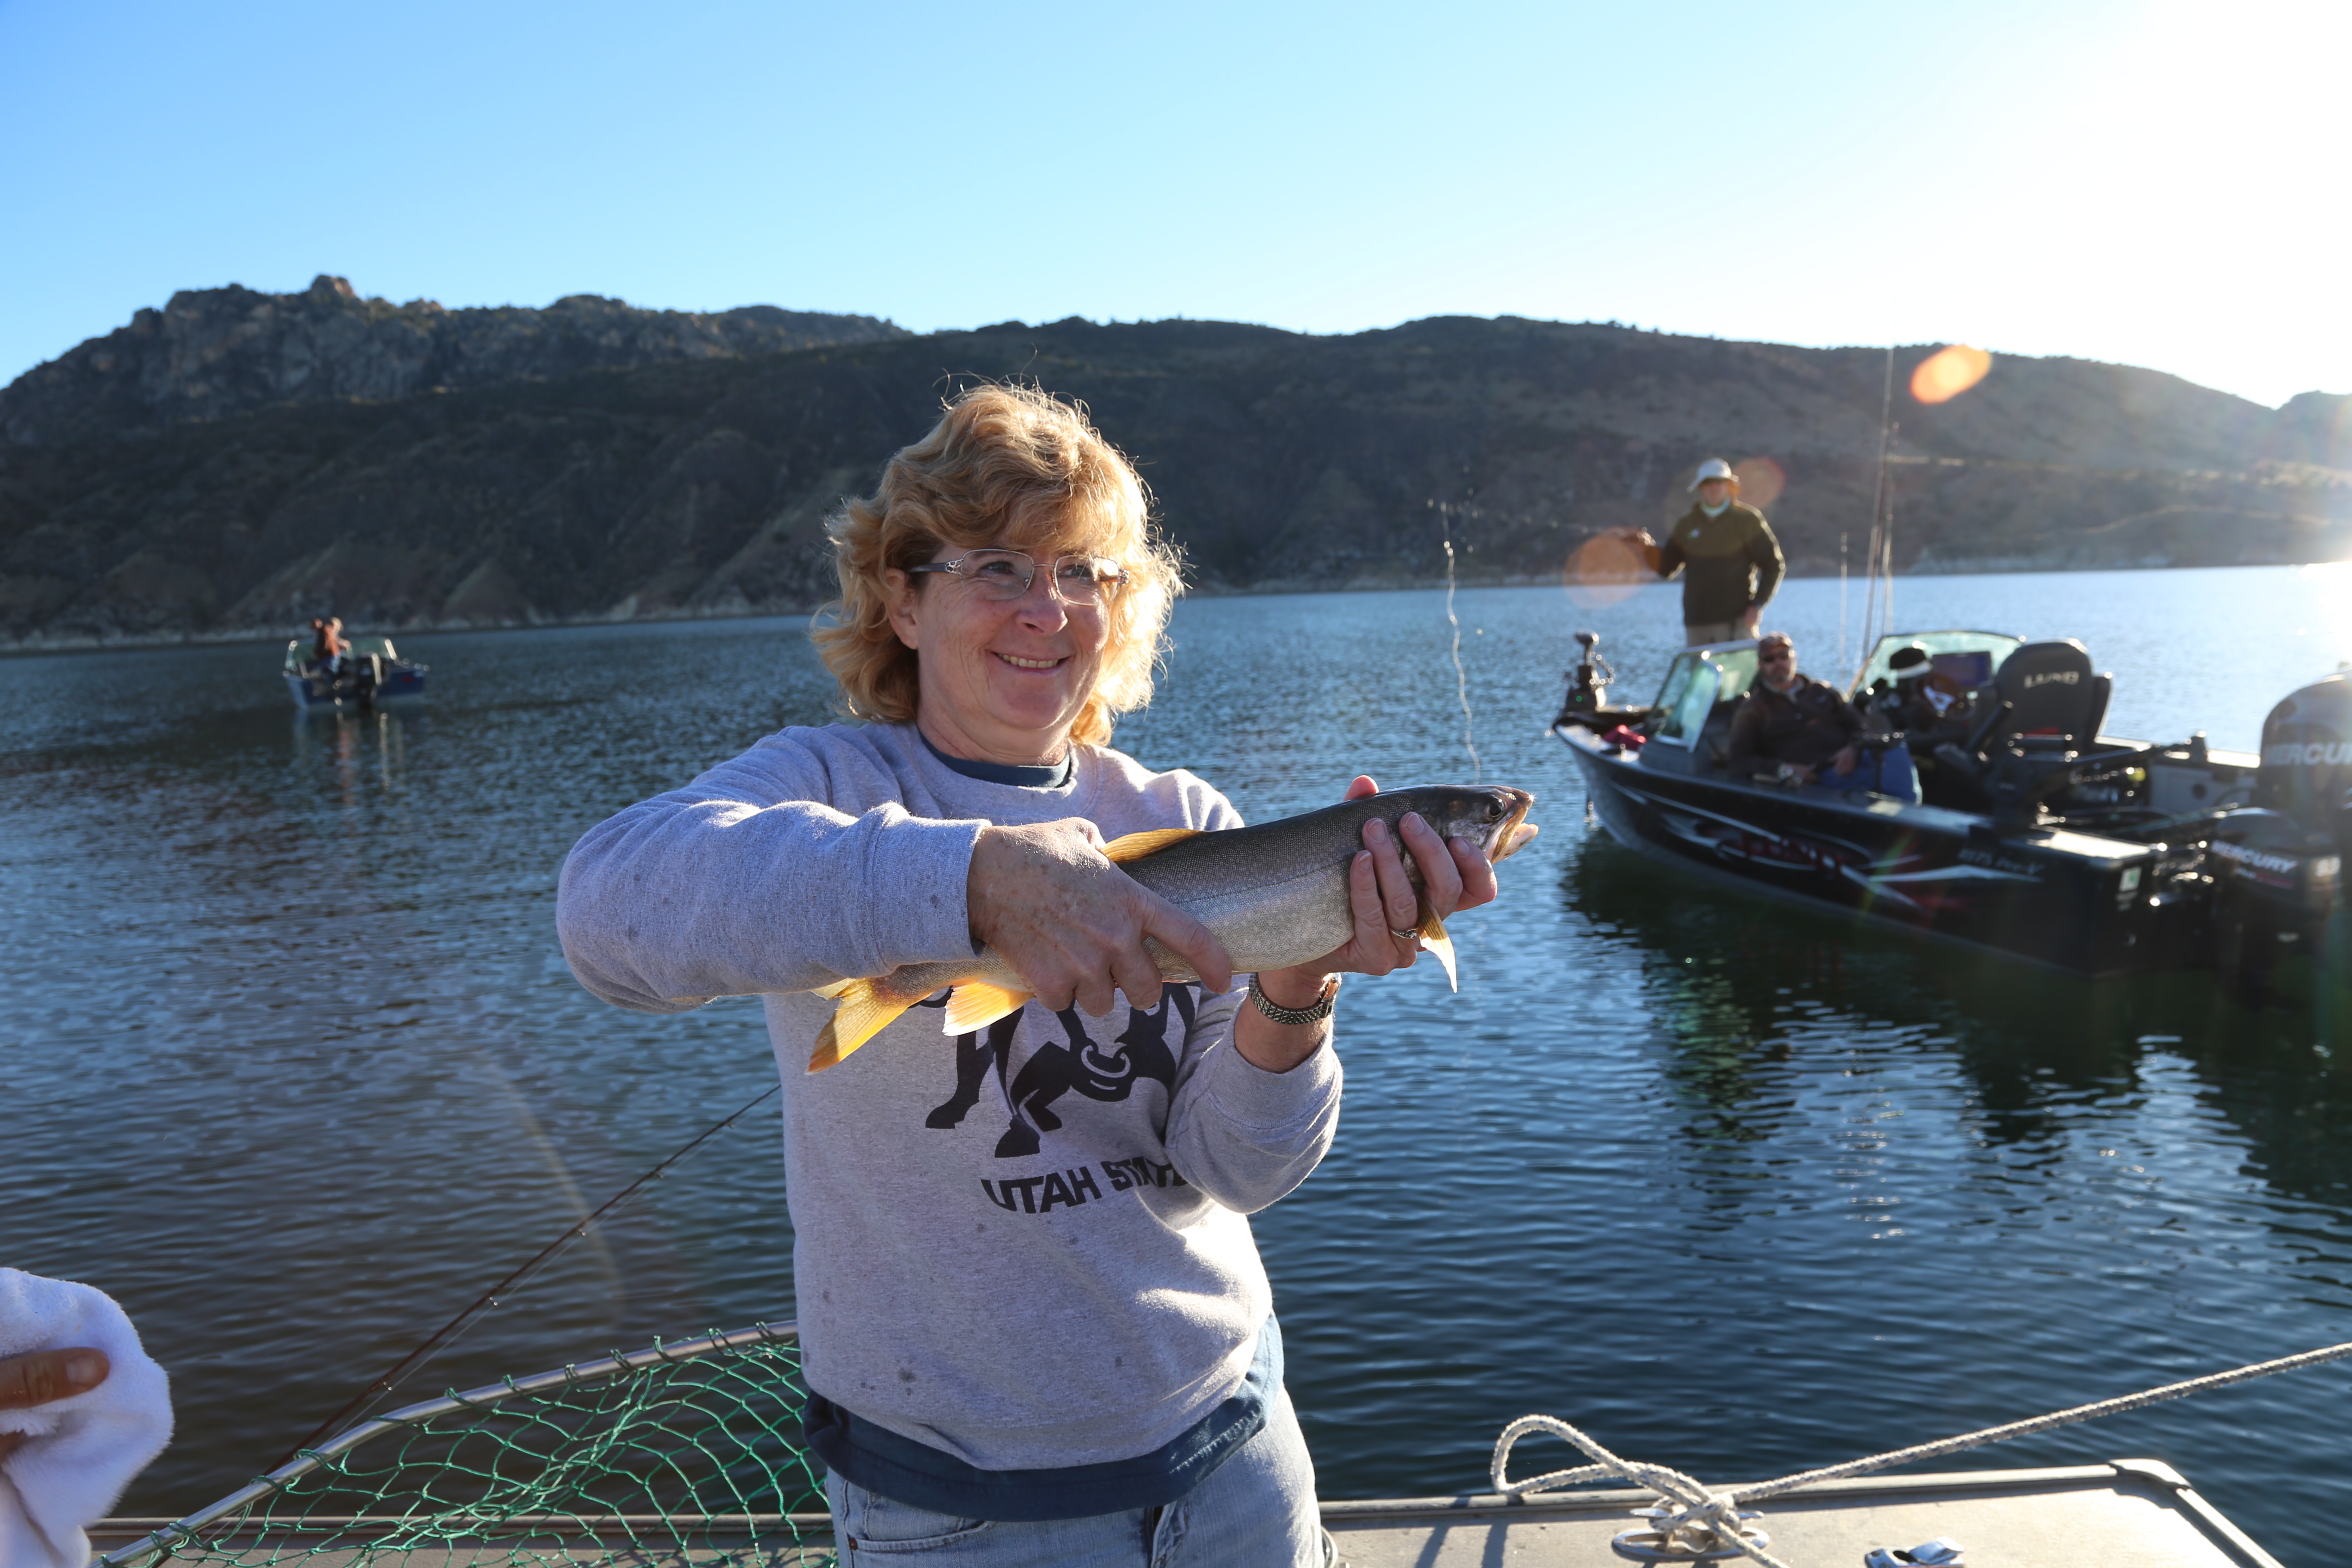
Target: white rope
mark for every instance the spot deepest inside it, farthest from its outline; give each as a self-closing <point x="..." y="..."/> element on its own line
<point x="1695" y="1520"/>
<point x="1698" y="1519"/>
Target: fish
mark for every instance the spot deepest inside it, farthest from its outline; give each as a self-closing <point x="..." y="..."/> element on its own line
<point x="1274" y="893"/>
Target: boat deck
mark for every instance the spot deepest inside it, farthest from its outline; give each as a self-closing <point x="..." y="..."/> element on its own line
<point x="2135" y="1511"/>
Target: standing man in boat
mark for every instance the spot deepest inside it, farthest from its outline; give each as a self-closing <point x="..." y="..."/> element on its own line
<point x="1729" y="560"/>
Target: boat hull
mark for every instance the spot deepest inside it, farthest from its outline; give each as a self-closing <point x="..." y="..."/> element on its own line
<point x="2068" y="901"/>
<point x="399" y="687"/>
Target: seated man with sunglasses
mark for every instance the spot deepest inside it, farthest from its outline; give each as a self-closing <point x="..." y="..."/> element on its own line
<point x="1801" y="732"/>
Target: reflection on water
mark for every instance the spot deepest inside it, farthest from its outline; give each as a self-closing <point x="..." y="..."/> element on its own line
<point x="295" y="1070"/>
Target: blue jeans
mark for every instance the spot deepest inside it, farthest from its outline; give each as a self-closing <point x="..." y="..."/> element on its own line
<point x="1890" y="771"/>
<point x="1255" y="1510"/>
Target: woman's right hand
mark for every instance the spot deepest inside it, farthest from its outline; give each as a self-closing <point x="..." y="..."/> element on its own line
<point x="37" y="1377"/>
<point x="1047" y="899"/>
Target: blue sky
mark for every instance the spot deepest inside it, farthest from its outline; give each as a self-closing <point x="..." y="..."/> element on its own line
<point x="2141" y="181"/>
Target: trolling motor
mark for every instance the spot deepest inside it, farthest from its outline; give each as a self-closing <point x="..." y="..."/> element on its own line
<point x="2279" y="864"/>
<point x="1588" y="682"/>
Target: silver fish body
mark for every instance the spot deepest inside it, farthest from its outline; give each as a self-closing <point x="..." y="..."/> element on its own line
<point x="1274" y="894"/>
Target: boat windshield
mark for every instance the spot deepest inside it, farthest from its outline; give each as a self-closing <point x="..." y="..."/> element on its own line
<point x="379" y="646"/>
<point x="1695" y="683"/>
<point x="1966" y="658"/>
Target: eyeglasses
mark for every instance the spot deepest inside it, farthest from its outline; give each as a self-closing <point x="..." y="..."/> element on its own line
<point x="1776" y="656"/>
<point x="1005" y="574"/>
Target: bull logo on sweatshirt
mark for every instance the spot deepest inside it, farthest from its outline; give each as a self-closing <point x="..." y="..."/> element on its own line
<point x="1078" y="1063"/>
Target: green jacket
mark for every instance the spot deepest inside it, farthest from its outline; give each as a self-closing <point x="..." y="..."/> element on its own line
<point x="1732" y="562"/>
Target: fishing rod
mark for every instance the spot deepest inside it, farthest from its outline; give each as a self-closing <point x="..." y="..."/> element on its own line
<point x="1881" y="517"/>
<point x="375" y="1392"/>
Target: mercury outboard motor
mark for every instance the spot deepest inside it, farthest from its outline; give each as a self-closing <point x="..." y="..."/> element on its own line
<point x="2280" y="866"/>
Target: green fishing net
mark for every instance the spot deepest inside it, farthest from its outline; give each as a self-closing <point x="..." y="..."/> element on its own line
<point x="685" y="1455"/>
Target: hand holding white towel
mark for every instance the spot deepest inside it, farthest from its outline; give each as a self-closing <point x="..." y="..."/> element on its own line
<point x="77" y="1453"/>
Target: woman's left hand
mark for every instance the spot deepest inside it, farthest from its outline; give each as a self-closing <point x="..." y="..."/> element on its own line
<point x="1454" y="875"/>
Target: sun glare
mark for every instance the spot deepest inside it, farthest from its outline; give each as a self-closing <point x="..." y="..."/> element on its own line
<point x="1603" y="571"/>
<point x="1944" y="375"/>
<point x="1761" y="481"/>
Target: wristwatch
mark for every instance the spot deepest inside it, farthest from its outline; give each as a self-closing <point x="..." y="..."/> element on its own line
<point x="1281" y="1015"/>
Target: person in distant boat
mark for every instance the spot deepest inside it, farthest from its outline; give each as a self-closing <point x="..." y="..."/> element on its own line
<point x="1802" y="731"/>
<point x="328" y="646"/>
<point x="1923" y="704"/>
<point x="1729" y="560"/>
<point x="1922" y="701"/>
<point x="1034" y="1324"/>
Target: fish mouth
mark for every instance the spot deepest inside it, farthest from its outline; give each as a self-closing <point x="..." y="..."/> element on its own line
<point x="1511" y="833"/>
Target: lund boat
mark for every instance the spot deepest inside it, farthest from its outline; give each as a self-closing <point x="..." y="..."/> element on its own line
<point x="2037" y="836"/>
<point x="688" y="1454"/>
<point x="372" y="675"/>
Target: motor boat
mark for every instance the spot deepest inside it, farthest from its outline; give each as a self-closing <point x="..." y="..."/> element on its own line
<point x="2035" y="835"/>
<point x="370" y="675"/>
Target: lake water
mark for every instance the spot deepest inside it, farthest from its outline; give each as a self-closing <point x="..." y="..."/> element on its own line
<point x="292" y="1066"/>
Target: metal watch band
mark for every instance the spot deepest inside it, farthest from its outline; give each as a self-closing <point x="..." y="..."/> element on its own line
<point x="1281" y="1015"/>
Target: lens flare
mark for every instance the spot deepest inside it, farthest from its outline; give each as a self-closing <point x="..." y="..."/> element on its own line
<point x="1944" y="375"/>
<point x="1603" y="571"/>
<point x="1761" y="482"/>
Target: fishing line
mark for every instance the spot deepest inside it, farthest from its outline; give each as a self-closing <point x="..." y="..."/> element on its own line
<point x="1841" y="663"/>
<point x="1871" y="607"/>
<point x="368" y="1398"/>
<point x="1461" y="681"/>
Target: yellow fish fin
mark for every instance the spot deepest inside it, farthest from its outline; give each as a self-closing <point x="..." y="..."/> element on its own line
<point x="1136" y="846"/>
<point x="1434" y="939"/>
<point x="975" y="1004"/>
<point x="833" y="993"/>
<point x="862" y="1013"/>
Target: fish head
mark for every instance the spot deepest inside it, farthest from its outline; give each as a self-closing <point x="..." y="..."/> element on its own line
<point x="1492" y="816"/>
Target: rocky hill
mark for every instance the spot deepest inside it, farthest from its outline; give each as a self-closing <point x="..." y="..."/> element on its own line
<point x="698" y="484"/>
<point x="213" y="353"/>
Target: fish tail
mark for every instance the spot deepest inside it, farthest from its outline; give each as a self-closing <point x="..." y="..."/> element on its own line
<point x="861" y="1011"/>
<point x="975" y="1004"/>
<point x="1434" y="939"/>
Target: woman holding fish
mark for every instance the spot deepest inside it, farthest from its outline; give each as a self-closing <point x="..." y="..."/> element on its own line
<point x="1035" y="1327"/>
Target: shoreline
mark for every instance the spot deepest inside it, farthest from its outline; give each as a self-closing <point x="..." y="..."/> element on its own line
<point x="37" y="645"/>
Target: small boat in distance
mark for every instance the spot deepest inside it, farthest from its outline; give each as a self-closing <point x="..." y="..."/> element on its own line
<point x="371" y="674"/>
<point x="2038" y="837"/>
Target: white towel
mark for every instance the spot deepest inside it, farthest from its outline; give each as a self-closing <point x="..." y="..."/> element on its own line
<point x="81" y="1451"/>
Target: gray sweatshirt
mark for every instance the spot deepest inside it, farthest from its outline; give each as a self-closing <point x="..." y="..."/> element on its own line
<point x="1025" y="1246"/>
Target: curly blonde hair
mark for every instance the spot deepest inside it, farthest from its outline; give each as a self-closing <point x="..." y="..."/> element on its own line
<point x="1012" y="466"/>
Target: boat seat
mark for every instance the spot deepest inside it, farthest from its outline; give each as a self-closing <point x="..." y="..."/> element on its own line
<point x="2047" y="697"/>
<point x="2042" y="711"/>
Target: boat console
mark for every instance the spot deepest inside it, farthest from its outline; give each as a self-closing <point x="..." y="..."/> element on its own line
<point x="1690" y="726"/>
